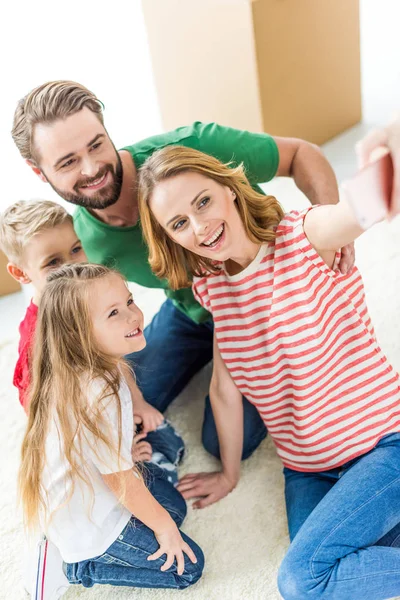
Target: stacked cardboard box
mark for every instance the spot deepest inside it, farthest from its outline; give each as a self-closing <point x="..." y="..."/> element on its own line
<point x="288" y="67"/>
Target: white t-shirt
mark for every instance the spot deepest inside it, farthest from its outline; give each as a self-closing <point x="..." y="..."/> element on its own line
<point x="92" y="519"/>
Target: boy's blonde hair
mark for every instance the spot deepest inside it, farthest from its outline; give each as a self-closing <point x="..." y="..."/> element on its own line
<point x="24" y="219"/>
<point x="48" y="103"/>
<point x="260" y="214"/>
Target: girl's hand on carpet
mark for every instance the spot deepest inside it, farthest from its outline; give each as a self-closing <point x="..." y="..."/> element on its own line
<point x="173" y="545"/>
<point x="141" y="451"/>
<point x="210" y="487"/>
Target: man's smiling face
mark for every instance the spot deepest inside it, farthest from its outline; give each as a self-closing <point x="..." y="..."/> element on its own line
<point x="78" y="159"/>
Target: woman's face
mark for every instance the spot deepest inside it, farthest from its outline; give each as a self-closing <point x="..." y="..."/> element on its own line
<point x="199" y="214"/>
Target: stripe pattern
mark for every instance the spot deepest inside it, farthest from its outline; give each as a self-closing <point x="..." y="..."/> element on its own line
<point x="299" y="344"/>
<point x="38" y="591"/>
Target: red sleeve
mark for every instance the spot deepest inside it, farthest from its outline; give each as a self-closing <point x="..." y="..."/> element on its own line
<point x="22" y="376"/>
<point x="200" y="292"/>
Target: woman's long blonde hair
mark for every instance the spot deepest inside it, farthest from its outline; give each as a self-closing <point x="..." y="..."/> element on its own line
<point x="260" y="214"/>
<point x="65" y="357"/>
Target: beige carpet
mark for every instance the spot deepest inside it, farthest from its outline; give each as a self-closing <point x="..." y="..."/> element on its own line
<point x="244" y="537"/>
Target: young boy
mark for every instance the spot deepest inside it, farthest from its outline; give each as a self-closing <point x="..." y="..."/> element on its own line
<point x="38" y="236"/>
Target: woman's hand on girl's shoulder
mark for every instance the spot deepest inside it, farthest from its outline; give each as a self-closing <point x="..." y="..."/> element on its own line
<point x="209" y="487"/>
<point x="173" y="545"/>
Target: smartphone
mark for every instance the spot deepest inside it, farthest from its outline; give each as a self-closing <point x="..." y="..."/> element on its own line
<point x="369" y="192"/>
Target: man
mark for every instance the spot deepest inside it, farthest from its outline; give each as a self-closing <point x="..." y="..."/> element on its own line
<point x="58" y="129"/>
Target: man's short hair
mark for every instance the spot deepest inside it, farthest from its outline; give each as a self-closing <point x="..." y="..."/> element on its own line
<point x="48" y="103"/>
<point x="24" y="219"/>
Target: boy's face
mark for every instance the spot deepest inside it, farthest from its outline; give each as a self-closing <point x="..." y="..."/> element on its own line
<point x="49" y="250"/>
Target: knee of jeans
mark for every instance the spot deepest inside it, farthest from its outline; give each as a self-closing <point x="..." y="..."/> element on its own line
<point x="210" y="443"/>
<point x="292" y="581"/>
<point x="193" y="571"/>
<point x="176" y="506"/>
<point x="181" y="509"/>
<point x="251" y="444"/>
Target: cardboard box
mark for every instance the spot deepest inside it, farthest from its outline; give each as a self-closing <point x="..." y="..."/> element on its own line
<point x="287" y="67"/>
<point x="8" y="285"/>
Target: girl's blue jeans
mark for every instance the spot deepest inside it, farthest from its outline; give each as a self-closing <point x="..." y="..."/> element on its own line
<point x="125" y="561"/>
<point x="345" y="529"/>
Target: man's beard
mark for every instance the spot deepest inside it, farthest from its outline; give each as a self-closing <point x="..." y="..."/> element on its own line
<point x="104" y="197"/>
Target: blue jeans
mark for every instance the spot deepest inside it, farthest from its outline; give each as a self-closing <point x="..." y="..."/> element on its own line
<point x="177" y="348"/>
<point x="345" y="527"/>
<point x="168" y="449"/>
<point x="125" y="561"/>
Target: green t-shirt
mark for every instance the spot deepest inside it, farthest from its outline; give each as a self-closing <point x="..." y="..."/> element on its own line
<point x="124" y="248"/>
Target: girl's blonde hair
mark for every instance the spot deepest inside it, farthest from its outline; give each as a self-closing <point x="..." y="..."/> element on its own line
<point x="260" y="214"/>
<point x="65" y="358"/>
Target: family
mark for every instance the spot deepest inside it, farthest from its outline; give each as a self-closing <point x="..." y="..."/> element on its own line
<point x="273" y="298"/>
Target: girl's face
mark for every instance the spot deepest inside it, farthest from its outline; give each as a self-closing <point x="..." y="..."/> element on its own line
<point x="117" y="321"/>
<point x="200" y="215"/>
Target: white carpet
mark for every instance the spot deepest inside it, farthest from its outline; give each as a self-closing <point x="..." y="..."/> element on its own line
<point x="244" y="537"/>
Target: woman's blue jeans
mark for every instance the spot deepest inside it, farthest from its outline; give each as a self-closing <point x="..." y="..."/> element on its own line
<point x="125" y="561"/>
<point x="345" y="529"/>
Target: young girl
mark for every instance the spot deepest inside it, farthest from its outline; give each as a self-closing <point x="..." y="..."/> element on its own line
<point x="294" y="336"/>
<point x="112" y="522"/>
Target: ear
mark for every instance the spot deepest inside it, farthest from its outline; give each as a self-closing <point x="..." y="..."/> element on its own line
<point x="17" y="273"/>
<point x="233" y="194"/>
<point x="36" y="170"/>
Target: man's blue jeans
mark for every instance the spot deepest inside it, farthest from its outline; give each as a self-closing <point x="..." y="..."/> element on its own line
<point x="125" y="561"/>
<point x="345" y="529"/>
<point x="177" y="348"/>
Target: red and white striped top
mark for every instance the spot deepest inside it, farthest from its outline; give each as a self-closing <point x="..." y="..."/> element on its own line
<point x="299" y="344"/>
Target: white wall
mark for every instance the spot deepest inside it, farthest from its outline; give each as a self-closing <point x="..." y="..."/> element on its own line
<point x="100" y="44"/>
<point x="380" y="59"/>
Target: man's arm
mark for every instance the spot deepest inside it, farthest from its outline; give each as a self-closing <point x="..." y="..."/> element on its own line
<point x="265" y="156"/>
<point x="309" y="168"/>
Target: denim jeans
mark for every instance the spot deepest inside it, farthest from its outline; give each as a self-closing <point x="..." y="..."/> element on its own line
<point x="345" y="529"/>
<point x="168" y="449"/>
<point x="125" y="561"/>
<point x="177" y="348"/>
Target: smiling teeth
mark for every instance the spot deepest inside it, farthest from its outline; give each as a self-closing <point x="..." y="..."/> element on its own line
<point x="132" y="333"/>
<point x="96" y="182"/>
<point x="214" y="237"/>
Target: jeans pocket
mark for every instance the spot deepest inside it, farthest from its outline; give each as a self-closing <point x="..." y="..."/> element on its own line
<point x="108" y="559"/>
